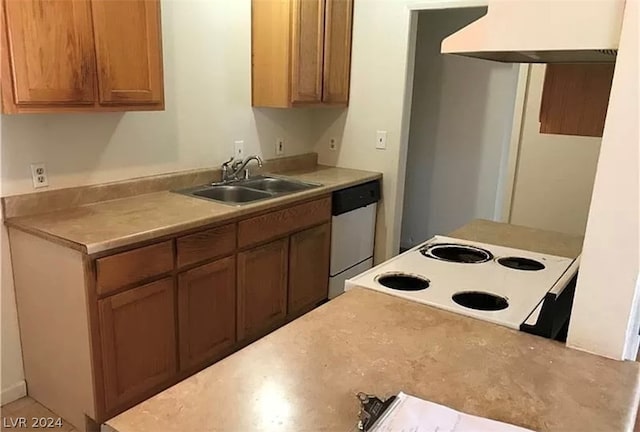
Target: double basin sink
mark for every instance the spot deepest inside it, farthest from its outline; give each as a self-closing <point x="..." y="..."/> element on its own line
<point x="250" y="190"/>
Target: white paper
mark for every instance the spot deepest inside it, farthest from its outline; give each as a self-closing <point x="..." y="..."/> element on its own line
<point x="411" y="414"/>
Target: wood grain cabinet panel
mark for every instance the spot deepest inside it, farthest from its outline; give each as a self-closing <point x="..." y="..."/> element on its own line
<point x="207" y="244"/>
<point x="282" y="222"/>
<point x="144" y="322"/>
<point x="51" y="48"/>
<point x="309" y="255"/>
<point x="137" y="328"/>
<point x="206" y="312"/>
<point x="128" y="49"/>
<point x="301" y="52"/>
<point x="575" y="99"/>
<point x="308" y="50"/>
<point x="262" y="288"/>
<point x="337" y="51"/>
<point x="81" y="56"/>
<point x="119" y="270"/>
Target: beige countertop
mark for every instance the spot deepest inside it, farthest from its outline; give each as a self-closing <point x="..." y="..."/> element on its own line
<point x="521" y="237"/>
<point x="111" y="224"/>
<point x="304" y="376"/>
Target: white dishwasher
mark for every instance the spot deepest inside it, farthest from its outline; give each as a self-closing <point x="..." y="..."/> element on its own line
<point x="353" y="227"/>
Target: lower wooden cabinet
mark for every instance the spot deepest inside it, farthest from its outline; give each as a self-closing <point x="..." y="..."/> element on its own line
<point x="262" y="288"/>
<point x="138" y="341"/>
<point x="206" y="312"/>
<point x="309" y="257"/>
<point x="138" y="320"/>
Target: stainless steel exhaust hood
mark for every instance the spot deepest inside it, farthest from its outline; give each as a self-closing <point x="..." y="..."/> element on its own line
<point x="542" y="31"/>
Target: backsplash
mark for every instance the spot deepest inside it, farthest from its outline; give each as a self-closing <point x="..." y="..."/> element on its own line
<point x="42" y="202"/>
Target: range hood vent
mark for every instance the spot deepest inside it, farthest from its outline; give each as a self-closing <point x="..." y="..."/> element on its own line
<point x="542" y="31"/>
<point x="568" y="56"/>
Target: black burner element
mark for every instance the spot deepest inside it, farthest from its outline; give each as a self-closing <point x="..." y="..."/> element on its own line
<point x="518" y="263"/>
<point x="457" y="253"/>
<point x="403" y="282"/>
<point x="480" y="301"/>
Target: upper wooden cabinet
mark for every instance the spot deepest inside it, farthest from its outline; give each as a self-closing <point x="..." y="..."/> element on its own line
<point x="41" y="33"/>
<point x="134" y="75"/>
<point x="81" y="55"/>
<point x="337" y="55"/>
<point x="301" y="52"/>
<point x="575" y="98"/>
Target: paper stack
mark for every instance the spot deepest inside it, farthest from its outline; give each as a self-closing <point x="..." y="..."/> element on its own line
<point x="411" y="414"/>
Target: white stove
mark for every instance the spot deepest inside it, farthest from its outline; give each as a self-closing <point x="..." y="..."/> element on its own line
<point x="506" y="286"/>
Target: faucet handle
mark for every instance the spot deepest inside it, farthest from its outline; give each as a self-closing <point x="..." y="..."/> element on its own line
<point x="225" y="169"/>
<point x="226" y="164"/>
<point x="236" y="164"/>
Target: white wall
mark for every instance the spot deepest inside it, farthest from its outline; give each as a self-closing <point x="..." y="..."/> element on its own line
<point x="12" y="382"/>
<point x="461" y="116"/>
<point x="207" y="64"/>
<point x="380" y="64"/>
<point x="607" y="294"/>
<point x="207" y="61"/>
<point x="555" y="173"/>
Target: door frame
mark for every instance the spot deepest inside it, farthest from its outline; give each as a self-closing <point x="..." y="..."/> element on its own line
<point x="502" y="211"/>
<point x="513" y="151"/>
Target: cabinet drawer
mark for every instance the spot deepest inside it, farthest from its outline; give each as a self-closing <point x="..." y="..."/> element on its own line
<point x="206" y="244"/>
<point x="126" y="268"/>
<point x="281" y="222"/>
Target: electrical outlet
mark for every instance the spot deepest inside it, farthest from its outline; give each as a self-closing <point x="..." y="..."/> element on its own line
<point x="238" y="149"/>
<point x="333" y="144"/>
<point x="381" y="140"/>
<point x="39" y="175"/>
<point x="279" y="146"/>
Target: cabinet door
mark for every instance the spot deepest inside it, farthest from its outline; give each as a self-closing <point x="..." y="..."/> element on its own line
<point x="51" y="51"/>
<point x="575" y="99"/>
<point x="137" y="328"/>
<point x="206" y="311"/>
<point x="129" y="51"/>
<point x="308" y="45"/>
<point x="309" y="268"/>
<point x="262" y="288"/>
<point x="337" y="51"/>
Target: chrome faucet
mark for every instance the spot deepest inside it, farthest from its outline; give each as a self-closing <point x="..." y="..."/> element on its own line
<point x="231" y="168"/>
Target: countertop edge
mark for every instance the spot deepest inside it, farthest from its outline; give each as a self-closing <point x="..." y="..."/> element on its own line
<point x="10" y="223"/>
<point x="144" y="236"/>
<point x="625" y="420"/>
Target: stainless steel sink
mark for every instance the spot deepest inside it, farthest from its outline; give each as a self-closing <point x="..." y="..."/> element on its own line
<point x="246" y="191"/>
<point x="276" y="185"/>
<point x="231" y="193"/>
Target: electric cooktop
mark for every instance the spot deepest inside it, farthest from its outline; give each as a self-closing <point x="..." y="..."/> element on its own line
<point x="502" y="285"/>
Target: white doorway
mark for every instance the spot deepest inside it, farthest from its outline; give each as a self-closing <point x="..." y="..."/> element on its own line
<point x="460" y="131"/>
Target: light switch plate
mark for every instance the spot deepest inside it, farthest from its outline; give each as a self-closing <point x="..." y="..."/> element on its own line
<point x="381" y="140"/>
<point x="238" y="149"/>
<point x="279" y="146"/>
